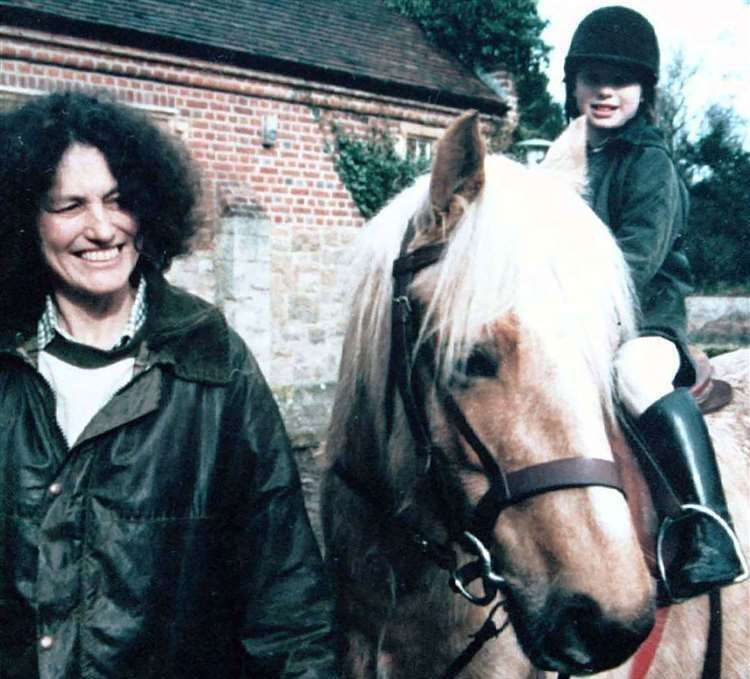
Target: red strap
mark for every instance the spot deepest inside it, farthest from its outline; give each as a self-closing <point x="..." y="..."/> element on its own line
<point x="644" y="656"/>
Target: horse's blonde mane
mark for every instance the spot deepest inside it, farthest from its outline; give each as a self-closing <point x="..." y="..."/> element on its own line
<point x="528" y="245"/>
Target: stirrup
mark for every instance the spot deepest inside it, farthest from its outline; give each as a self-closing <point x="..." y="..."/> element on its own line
<point x="686" y="511"/>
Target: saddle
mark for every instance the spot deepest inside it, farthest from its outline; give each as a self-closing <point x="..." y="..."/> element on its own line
<point x="710" y="394"/>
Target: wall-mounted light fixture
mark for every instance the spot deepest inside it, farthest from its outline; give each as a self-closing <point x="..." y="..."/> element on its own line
<point x="270" y="129"/>
<point x="532" y="151"/>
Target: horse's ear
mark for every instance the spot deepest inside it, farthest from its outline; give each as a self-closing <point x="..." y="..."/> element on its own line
<point x="457" y="171"/>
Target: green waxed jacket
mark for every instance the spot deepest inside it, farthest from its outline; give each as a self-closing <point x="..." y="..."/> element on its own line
<point x="634" y="188"/>
<point x="171" y="541"/>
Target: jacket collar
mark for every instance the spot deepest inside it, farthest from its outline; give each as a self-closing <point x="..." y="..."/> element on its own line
<point x="186" y="333"/>
<point x="182" y="331"/>
<point x="638" y="132"/>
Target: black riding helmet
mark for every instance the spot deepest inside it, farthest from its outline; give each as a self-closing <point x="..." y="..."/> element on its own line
<point x="618" y="35"/>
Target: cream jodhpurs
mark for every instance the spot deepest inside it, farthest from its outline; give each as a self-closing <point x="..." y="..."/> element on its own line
<point x="645" y="369"/>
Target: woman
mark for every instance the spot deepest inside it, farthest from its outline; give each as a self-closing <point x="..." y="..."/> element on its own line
<point x="632" y="184"/>
<point x="151" y="517"/>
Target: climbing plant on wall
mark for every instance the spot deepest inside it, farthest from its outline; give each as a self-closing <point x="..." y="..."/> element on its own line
<point x="371" y="168"/>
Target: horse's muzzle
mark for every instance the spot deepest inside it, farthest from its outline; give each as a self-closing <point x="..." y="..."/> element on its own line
<point x="574" y="636"/>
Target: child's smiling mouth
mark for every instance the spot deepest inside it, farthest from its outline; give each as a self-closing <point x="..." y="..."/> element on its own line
<point x="603" y="110"/>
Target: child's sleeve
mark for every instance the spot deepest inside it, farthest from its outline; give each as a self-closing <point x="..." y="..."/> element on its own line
<point x="651" y="216"/>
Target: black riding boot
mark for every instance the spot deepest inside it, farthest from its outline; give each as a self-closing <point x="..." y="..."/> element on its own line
<point x="707" y="554"/>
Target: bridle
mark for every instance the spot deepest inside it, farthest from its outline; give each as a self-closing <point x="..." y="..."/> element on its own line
<point x="505" y="488"/>
<point x="406" y="363"/>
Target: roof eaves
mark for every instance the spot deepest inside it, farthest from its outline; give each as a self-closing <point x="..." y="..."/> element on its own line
<point x="49" y="22"/>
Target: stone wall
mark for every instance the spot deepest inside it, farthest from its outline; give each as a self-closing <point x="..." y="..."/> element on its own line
<point x="719" y="322"/>
<point x="278" y="222"/>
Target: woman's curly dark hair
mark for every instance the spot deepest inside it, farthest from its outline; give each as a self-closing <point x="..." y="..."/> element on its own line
<point x="156" y="180"/>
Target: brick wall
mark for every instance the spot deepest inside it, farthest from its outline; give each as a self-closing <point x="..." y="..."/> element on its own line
<point x="279" y="223"/>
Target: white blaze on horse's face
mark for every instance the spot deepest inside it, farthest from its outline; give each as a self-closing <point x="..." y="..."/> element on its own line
<point x="524" y="309"/>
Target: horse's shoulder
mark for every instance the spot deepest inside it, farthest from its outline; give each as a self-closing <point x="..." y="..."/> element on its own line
<point x="734" y="367"/>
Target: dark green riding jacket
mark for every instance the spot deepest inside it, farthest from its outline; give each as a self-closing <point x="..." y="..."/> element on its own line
<point x="635" y="189"/>
<point x="171" y="541"/>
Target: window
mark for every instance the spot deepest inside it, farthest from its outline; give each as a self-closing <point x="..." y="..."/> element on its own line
<point x="419" y="148"/>
<point x="417" y="142"/>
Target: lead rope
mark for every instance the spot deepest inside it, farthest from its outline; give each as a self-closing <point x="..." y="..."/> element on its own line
<point x="646" y="652"/>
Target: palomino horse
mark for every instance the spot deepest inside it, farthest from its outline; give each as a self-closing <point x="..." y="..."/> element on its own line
<point x="471" y="441"/>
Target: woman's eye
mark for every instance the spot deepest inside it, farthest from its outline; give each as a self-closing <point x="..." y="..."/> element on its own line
<point x="62" y="207"/>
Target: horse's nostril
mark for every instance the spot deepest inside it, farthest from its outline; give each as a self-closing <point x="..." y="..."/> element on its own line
<point x="590" y="640"/>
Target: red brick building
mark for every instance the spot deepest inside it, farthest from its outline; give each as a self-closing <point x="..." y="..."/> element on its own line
<point x="253" y="88"/>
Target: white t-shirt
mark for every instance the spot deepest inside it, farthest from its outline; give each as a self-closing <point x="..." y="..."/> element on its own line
<point x="82" y="392"/>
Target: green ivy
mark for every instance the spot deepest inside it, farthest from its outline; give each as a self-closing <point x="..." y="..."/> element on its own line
<point x="371" y="169"/>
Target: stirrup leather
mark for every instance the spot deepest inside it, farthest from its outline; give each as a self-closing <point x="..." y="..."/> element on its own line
<point x="686" y="511"/>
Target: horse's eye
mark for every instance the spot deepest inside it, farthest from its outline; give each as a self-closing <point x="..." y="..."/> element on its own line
<point x="480" y="364"/>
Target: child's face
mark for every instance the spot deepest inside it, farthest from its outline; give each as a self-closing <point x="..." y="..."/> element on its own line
<point x="608" y="95"/>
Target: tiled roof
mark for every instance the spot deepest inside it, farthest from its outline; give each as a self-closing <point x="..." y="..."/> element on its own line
<point x="359" y="43"/>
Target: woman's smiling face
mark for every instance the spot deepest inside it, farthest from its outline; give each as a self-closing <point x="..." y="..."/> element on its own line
<point x="87" y="239"/>
<point x="608" y="95"/>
